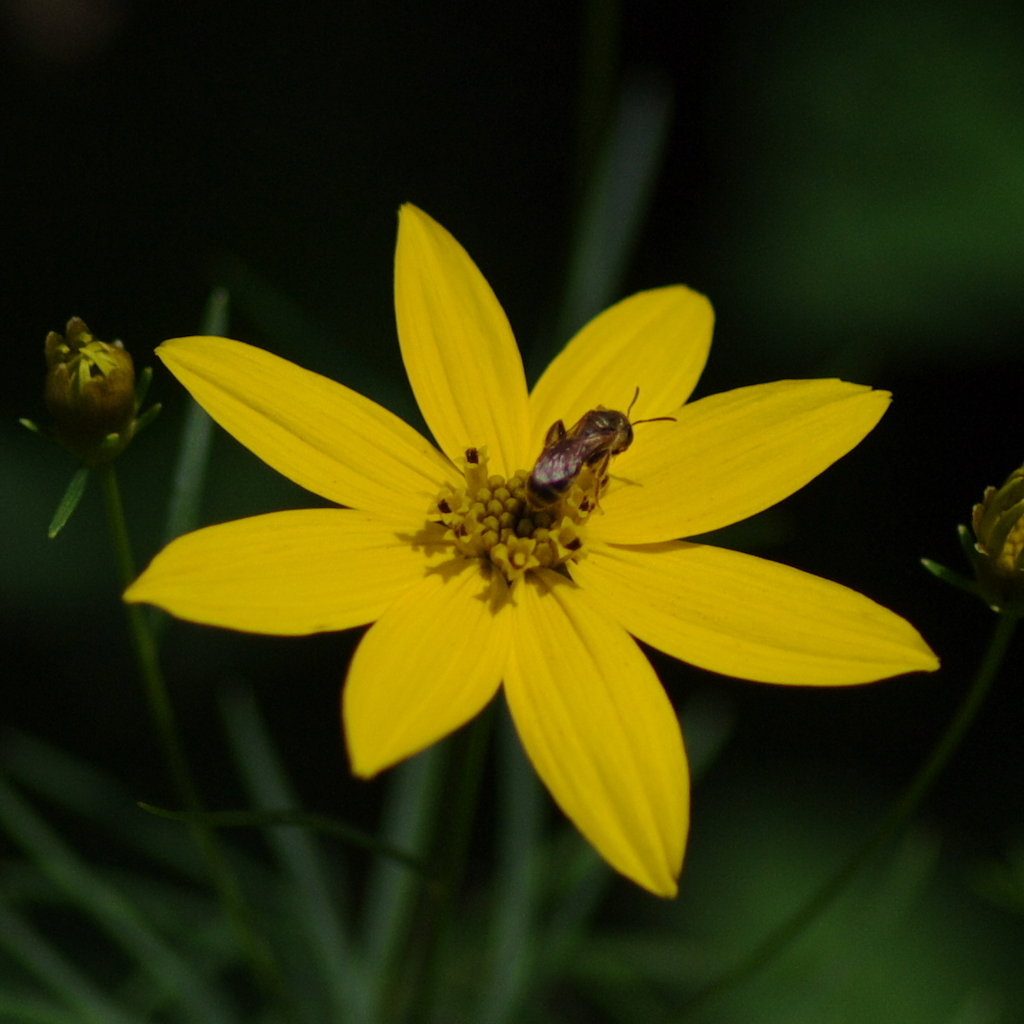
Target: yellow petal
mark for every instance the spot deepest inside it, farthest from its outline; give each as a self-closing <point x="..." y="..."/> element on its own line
<point x="458" y="348"/>
<point x="731" y="455"/>
<point x="287" y="573"/>
<point x="324" y="436"/>
<point x="600" y="731"/>
<point x="656" y="340"/>
<point x="428" y="665"/>
<point x="748" y="617"/>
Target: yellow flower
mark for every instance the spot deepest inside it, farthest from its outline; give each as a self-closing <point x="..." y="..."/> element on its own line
<point x="468" y="589"/>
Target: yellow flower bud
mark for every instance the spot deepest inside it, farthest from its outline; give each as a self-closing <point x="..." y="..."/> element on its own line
<point x="90" y="393"/>
<point x="998" y="524"/>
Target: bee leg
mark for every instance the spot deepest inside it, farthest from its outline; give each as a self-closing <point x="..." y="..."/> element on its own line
<point x="600" y="470"/>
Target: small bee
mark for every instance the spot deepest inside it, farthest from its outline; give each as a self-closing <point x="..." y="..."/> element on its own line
<point x="599" y="434"/>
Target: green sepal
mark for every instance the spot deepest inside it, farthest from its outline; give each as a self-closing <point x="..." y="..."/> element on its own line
<point x="68" y="504"/>
<point x="954" y="579"/>
<point x="109" y="443"/>
<point x="143" y="420"/>
<point x="142" y="386"/>
<point x="148" y="416"/>
<point x="967" y="543"/>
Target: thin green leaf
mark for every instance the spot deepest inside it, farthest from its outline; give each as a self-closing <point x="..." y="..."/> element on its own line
<point x="708" y="722"/>
<point x="615" y="206"/>
<point x="68" y="504"/>
<point x="190" y="472"/>
<point x="108" y="908"/>
<point x="296" y="819"/>
<point x="513" y="945"/>
<point x="78" y="787"/>
<point x="61" y="976"/>
<point x="26" y="1010"/>
<point x="217" y="313"/>
<point x="392" y="890"/>
<point x="194" y="451"/>
<point x="371" y="370"/>
<point x="586" y="884"/>
<point x="310" y="901"/>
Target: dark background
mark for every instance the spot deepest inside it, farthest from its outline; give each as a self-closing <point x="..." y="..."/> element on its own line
<point x="846" y="186"/>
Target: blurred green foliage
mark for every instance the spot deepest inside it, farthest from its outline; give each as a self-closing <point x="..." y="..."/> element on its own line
<point x="847" y="183"/>
<point x="880" y="199"/>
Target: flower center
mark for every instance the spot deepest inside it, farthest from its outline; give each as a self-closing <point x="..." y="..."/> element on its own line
<point x="488" y="517"/>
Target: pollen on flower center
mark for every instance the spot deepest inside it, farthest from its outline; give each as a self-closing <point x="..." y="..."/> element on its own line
<point x="488" y="517"/>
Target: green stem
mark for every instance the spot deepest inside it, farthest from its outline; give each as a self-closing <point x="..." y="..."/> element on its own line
<point x="517" y="888"/>
<point x="224" y="882"/>
<point x="599" y="69"/>
<point x="432" y="934"/>
<point x="897" y="815"/>
<point x="393" y="893"/>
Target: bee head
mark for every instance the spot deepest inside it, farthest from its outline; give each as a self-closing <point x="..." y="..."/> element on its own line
<point x="614" y="426"/>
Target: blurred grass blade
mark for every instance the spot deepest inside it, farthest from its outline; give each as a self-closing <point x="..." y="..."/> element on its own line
<point x="26" y="1010"/>
<point x="372" y="370"/>
<point x="392" y="890"/>
<point x="194" y="452"/>
<point x="589" y="881"/>
<point x="168" y="971"/>
<point x="217" y="313"/>
<point x="68" y="504"/>
<point x="307" y="820"/>
<point x="708" y="720"/>
<point x="80" y="788"/>
<point x="312" y="903"/>
<point x="190" y="472"/>
<point x="512" y="946"/>
<point x="62" y="977"/>
<point x="615" y="204"/>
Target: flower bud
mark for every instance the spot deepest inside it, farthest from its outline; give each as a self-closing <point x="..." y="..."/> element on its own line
<point x="90" y="393"/>
<point x="998" y="556"/>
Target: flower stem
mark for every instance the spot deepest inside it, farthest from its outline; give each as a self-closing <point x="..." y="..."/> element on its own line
<point x="896" y="816"/>
<point x="433" y="932"/>
<point x="223" y="879"/>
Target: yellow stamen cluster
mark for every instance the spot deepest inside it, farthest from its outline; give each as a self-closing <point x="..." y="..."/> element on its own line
<point x="489" y="517"/>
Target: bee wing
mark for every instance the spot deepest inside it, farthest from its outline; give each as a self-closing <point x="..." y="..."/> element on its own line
<point x="556" y="432"/>
<point x="558" y="466"/>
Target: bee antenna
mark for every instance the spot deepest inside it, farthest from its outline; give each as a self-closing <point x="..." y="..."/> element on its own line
<point x="636" y="395"/>
<point x="655" y="419"/>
